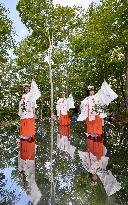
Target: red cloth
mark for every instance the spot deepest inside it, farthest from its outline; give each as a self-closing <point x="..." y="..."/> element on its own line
<point x="64" y="119"/>
<point x="96" y="147"/>
<point x="94" y="126"/>
<point x="27" y="149"/>
<point x="65" y="130"/>
<point x="27" y="127"/>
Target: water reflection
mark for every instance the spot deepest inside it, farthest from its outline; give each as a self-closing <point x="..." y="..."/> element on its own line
<point x="72" y="167"/>
<point x="26" y="166"/>
<point x="95" y="162"/>
<point x="63" y="141"/>
<point x="94" y="159"/>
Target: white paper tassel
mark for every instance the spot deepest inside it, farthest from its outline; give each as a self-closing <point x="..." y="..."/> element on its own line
<point x="70" y="102"/>
<point x="34" y="91"/>
<point x="105" y="95"/>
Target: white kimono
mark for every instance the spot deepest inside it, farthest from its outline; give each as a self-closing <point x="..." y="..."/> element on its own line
<point x="27" y="104"/>
<point x="103" y="97"/>
<point x="63" y="105"/>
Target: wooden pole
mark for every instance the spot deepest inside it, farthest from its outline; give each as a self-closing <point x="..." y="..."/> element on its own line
<point x="52" y="114"/>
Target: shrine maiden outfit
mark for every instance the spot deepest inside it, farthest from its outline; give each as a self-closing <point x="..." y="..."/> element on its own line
<point x="27" y="108"/>
<point x="62" y="107"/>
<point x="94" y="160"/>
<point x="91" y="111"/>
<point x="26" y="159"/>
<point x="94" y="119"/>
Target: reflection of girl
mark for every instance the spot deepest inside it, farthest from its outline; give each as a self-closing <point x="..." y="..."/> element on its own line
<point x="94" y="159"/>
<point x="63" y="139"/>
<point x="26" y="166"/>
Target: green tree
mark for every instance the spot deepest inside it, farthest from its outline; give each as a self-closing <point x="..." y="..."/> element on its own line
<point x="44" y="20"/>
<point x="102" y="47"/>
<point x="6" y="66"/>
<point x="6" y="33"/>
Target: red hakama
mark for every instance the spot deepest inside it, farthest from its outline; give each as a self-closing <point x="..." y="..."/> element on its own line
<point x="27" y="127"/>
<point x="64" y="120"/>
<point x="94" y="126"/>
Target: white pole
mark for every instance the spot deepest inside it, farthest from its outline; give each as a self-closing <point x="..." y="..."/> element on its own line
<point x="52" y="114"/>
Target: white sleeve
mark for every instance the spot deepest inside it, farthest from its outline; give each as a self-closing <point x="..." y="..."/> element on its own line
<point x="84" y="110"/>
<point x="20" y="110"/>
<point x="33" y="103"/>
<point x="70" y="102"/>
<point x="58" y="108"/>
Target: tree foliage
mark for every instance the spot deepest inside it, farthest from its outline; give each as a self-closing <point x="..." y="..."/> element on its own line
<point x="8" y="78"/>
<point x="6" y="32"/>
<point x="88" y="47"/>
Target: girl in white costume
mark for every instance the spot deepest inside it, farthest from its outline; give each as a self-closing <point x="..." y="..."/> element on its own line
<point x="91" y="111"/>
<point x="27" y="107"/>
<point x="62" y="107"/>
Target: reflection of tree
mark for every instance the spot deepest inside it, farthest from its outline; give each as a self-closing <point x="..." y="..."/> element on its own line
<point x="84" y="190"/>
<point x="9" y="144"/>
<point x="78" y="135"/>
<point x="43" y="156"/>
<point x="80" y="189"/>
<point x="118" y="147"/>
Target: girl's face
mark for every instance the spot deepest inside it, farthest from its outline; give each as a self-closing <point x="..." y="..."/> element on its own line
<point x="63" y="95"/>
<point x="27" y="89"/>
<point x="91" y="92"/>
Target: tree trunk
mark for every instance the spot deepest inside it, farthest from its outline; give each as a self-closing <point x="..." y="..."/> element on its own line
<point x="52" y="114"/>
<point x="41" y="112"/>
<point x="122" y="87"/>
<point x="126" y="83"/>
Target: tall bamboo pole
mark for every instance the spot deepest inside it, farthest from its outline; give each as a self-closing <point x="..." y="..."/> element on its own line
<point x="52" y="114"/>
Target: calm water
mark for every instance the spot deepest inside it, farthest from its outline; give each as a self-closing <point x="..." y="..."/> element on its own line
<point x="71" y="183"/>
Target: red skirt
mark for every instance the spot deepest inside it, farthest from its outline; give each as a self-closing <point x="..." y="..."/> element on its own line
<point x="94" y="126"/>
<point x="27" y="149"/>
<point x="64" y="119"/>
<point x="27" y="127"/>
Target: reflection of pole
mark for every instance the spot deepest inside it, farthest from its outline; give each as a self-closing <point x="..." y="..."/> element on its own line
<point x="41" y="112"/>
<point x="51" y="82"/>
